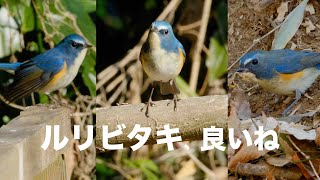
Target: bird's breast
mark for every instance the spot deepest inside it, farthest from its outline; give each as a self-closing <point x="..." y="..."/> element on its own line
<point x="161" y="65"/>
<point x="66" y="75"/>
<point x="286" y="84"/>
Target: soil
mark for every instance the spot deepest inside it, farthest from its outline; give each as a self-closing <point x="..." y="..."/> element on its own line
<point x="248" y="21"/>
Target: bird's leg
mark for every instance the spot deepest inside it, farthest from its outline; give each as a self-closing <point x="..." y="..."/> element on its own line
<point x="148" y="104"/>
<point x="297" y="98"/>
<point x="175" y="101"/>
<point x="57" y="102"/>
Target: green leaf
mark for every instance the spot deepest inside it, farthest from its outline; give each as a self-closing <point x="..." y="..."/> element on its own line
<point x="28" y="19"/>
<point x="150" y="4"/>
<point x="149" y="169"/>
<point x="10" y="40"/>
<point x="217" y="61"/>
<point x="185" y="88"/>
<point x="88" y="29"/>
<point x="104" y="170"/>
<point x="88" y="5"/>
<point x="5" y="119"/>
<point x="44" y="99"/>
<point x="289" y="27"/>
<point x="89" y="73"/>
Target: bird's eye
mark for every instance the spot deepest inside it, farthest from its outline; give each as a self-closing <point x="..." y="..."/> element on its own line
<point x="74" y="44"/>
<point x="166" y="31"/>
<point x="254" y="61"/>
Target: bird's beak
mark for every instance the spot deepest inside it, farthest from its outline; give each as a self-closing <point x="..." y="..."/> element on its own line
<point x="88" y="46"/>
<point x="241" y="70"/>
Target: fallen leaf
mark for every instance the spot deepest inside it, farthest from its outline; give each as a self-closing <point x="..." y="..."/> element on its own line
<point x="290" y="26"/>
<point x="298" y="131"/>
<point x="279" y="161"/>
<point x="310" y="9"/>
<point x="245" y="154"/>
<point x="241" y="104"/>
<point x="293" y="46"/>
<point x="296" y="118"/>
<point x="187" y="171"/>
<point x="317" y="140"/>
<point x="281" y="10"/>
<point x="295" y="158"/>
<point x="308" y="25"/>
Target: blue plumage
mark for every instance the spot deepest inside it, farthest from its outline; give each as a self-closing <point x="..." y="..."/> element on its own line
<point x="9" y="66"/>
<point x="49" y="71"/>
<point x="162" y="57"/>
<point x="282" y="71"/>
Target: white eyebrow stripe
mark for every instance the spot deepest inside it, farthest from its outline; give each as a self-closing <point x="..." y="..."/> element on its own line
<point x="79" y="41"/>
<point x="247" y="61"/>
<point x="162" y="27"/>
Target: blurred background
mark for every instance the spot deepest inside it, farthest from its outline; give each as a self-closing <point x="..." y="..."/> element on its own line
<point x="30" y="27"/>
<point x="122" y="27"/>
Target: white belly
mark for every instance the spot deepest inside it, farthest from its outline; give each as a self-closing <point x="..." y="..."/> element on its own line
<point x="163" y="66"/>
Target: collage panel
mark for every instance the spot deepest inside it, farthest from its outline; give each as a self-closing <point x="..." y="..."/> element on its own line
<point x="47" y="89"/>
<point x="161" y="89"/>
<point x="273" y="53"/>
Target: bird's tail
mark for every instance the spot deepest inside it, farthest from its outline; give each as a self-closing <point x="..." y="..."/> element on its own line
<point x="9" y="66"/>
<point x="169" y="88"/>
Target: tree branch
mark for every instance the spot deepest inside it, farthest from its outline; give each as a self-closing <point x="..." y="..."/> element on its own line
<point x="192" y="115"/>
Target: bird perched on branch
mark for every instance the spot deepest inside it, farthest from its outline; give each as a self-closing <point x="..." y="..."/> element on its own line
<point x="284" y="72"/>
<point x="162" y="57"/>
<point x="50" y="71"/>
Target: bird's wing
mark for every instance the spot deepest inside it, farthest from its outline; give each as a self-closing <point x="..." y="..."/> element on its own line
<point x="31" y="76"/>
<point x="10" y="66"/>
<point x="296" y="62"/>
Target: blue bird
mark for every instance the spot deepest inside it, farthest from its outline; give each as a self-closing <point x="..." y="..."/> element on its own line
<point x="284" y="72"/>
<point x="47" y="72"/>
<point x="162" y="57"/>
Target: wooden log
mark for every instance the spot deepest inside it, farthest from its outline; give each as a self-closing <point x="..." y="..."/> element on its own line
<point x="192" y="115"/>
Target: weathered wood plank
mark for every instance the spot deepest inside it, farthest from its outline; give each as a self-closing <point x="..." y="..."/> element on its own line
<point x="21" y="154"/>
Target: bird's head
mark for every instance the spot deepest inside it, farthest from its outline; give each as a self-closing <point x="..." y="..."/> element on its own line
<point x="161" y="36"/>
<point x="74" y="43"/>
<point x="256" y="64"/>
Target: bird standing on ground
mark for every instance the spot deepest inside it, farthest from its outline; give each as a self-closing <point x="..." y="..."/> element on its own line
<point x="47" y="72"/>
<point x="283" y="72"/>
<point x="162" y="57"/>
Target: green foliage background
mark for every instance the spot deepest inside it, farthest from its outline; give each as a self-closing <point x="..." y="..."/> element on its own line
<point x="41" y="24"/>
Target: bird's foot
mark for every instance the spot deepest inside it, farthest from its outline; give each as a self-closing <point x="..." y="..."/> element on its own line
<point x="58" y="103"/>
<point x="147" y="105"/>
<point x="175" y="101"/>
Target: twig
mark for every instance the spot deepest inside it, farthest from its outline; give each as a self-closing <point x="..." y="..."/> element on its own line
<point x="105" y="75"/>
<point x="256" y="41"/>
<point x="115" y="167"/>
<point x="203" y="167"/>
<point x="188" y="27"/>
<point x="198" y="48"/>
<point x="306" y="156"/>
<point x="12" y="104"/>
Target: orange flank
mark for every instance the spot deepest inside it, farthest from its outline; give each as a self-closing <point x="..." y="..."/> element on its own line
<point x="181" y="55"/>
<point x="288" y="77"/>
<point x="57" y="77"/>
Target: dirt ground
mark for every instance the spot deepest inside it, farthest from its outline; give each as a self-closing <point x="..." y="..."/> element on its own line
<point x="251" y="19"/>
